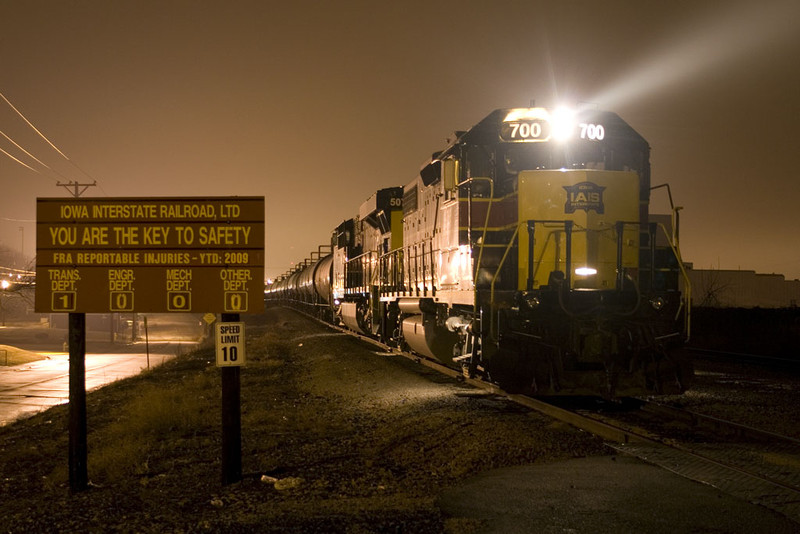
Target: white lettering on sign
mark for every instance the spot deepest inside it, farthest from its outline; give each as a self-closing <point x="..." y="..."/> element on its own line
<point x="594" y="132"/>
<point x="526" y="130"/>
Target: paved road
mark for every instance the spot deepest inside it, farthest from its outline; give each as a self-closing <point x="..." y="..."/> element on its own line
<point x="29" y="388"/>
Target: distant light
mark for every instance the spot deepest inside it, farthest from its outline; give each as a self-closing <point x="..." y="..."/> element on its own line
<point x="5" y="284"/>
<point x="585" y="271"/>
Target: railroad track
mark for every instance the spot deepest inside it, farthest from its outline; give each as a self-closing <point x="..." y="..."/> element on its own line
<point x="767" y="362"/>
<point x="752" y="464"/>
<point x="758" y="466"/>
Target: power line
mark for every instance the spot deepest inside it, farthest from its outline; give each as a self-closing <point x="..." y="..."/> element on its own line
<point x="30" y="155"/>
<point x="37" y="160"/>
<point x="29" y="123"/>
<point x="34" y="127"/>
<point x="20" y="162"/>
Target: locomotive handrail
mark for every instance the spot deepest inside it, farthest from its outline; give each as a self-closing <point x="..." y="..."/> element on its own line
<point x="492" y="321"/>
<point x="486" y="221"/>
<point x="363" y="268"/>
<point x="396" y="275"/>
<point x="687" y="299"/>
<point x="568" y="225"/>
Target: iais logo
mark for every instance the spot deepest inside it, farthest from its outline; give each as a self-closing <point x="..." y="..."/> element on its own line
<point x="584" y="196"/>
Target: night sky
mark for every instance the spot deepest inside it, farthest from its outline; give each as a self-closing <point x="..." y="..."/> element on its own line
<point x="315" y="105"/>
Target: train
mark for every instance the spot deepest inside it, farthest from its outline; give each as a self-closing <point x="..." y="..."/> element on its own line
<point x="524" y="253"/>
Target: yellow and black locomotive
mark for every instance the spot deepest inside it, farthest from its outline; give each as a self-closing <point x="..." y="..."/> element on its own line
<point x="525" y="253"/>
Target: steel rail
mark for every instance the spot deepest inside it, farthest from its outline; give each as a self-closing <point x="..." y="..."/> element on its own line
<point x="621" y="438"/>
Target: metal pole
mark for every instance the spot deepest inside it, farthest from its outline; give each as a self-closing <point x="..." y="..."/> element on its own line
<point x="531" y="243"/>
<point x="231" y="418"/>
<point x="147" y="342"/>
<point x="78" y="451"/>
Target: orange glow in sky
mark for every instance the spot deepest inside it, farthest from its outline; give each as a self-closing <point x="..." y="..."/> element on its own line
<point x="318" y="105"/>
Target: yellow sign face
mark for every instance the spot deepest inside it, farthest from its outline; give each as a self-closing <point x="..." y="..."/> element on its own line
<point x="100" y="255"/>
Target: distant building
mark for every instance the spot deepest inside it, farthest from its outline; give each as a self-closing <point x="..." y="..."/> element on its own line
<point x="719" y="288"/>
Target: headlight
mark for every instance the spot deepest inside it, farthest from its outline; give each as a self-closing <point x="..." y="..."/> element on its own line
<point x="562" y="124"/>
<point x="657" y="303"/>
<point x="531" y="300"/>
<point x="585" y="271"/>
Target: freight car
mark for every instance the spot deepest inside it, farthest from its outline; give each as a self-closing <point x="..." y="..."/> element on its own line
<point x="524" y="253"/>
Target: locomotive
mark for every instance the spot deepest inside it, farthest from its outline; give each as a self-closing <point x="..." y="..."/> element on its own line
<point x="524" y="253"/>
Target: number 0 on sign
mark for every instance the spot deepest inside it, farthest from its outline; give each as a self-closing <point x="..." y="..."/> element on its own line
<point x="230" y="344"/>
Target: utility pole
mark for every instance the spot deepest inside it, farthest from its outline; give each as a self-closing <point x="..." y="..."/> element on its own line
<point x="76" y="191"/>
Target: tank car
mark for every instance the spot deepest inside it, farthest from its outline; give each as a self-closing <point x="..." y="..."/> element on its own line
<point x="524" y="253"/>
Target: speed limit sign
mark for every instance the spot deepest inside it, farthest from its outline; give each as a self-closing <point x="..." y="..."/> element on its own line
<point x="230" y="344"/>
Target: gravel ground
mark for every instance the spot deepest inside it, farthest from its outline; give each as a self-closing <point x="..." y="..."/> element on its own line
<point x="337" y="437"/>
<point x="744" y="394"/>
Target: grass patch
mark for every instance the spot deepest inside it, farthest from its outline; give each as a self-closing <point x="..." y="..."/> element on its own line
<point x="13" y="356"/>
<point x="134" y="444"/>
<point x="166" y="420"/>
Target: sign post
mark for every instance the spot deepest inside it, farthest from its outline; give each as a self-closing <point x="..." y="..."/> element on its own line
<point x="156" y="255"/>
<point x="230" y="357"/>
<point x="78" y="450"/>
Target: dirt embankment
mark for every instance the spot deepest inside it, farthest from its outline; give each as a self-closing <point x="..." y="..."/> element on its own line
<point x="336" y="438"/>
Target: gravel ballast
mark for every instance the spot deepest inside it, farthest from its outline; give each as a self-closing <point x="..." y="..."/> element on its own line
<point x="336" y="437"/>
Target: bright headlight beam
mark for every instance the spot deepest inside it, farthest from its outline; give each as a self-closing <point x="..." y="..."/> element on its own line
<point x="585" y="271"/>
<point x="733" y="37"/>
<point x="562" y="124"/>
